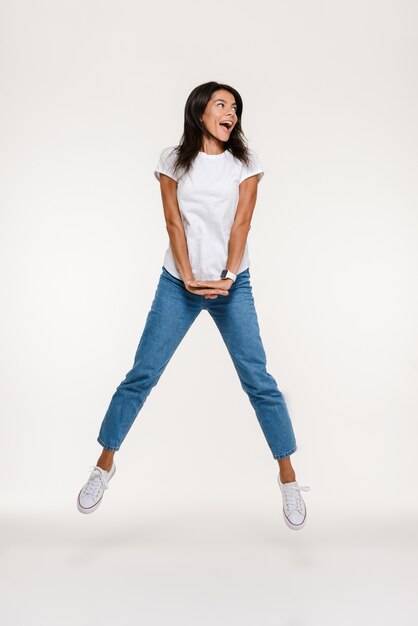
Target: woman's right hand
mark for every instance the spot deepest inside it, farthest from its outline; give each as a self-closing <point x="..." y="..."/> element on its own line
<point x="192" y="286"/>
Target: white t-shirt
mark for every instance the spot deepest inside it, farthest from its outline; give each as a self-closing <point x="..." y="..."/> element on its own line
<point x="208" y="197"/>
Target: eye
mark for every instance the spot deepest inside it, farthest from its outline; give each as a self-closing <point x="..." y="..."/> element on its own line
<point x="235" y="108"/>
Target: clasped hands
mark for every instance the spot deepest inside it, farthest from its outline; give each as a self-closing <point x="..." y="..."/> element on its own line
<point x="210" y="289"/>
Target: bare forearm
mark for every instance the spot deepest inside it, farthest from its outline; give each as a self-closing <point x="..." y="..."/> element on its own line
<point x="236" y="245"/>
<point x="179" y="249"/>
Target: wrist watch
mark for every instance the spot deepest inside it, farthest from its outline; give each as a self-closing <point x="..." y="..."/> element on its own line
<point x="228" y="274"/>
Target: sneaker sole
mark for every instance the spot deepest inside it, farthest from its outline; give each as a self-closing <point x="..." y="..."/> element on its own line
<point x="95" y="506"/>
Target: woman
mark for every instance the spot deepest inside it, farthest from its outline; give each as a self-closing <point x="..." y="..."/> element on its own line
<point x="209" y="189"/>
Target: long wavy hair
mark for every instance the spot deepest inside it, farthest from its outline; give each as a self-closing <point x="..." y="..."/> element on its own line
<point x="191" y="140"/>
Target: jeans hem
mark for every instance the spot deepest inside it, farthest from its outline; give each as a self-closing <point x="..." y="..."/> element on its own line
<point x="106" y="447"/>
<point x="285" y="454"/>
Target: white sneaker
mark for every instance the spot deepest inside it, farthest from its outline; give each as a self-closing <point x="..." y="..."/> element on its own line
<point x="294" y="508"/>
<point x="91" y="494"/>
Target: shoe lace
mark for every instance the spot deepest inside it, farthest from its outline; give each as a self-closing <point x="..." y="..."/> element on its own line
<point x="293" y="497"/>
<point x="95" y="482"/>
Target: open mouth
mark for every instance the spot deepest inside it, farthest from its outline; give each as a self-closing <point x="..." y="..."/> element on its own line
<point x="226" y="126"/>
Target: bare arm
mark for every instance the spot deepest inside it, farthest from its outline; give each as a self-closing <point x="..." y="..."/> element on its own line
<point x="175" y="227"/>
<point x="242" y="222"/>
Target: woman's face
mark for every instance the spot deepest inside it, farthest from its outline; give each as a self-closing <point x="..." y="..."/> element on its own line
<point x="220" y="115"/>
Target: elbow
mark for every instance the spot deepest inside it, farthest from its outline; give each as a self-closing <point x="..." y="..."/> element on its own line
<point x="172" y="224"/>
<point x="242" y="225"/>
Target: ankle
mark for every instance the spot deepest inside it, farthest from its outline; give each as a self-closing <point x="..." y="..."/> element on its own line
<point x="104" y="466"/>
<point x="287" y="478"/>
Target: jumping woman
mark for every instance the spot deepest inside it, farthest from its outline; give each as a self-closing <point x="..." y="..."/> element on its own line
<point x="209" y="189"/>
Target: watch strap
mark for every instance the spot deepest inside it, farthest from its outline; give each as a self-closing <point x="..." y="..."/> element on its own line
<point x="226" y="273"/>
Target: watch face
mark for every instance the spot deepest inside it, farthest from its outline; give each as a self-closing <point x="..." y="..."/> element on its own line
<point x="223" y="273"/>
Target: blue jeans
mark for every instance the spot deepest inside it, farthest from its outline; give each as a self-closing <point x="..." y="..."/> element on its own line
<point x="172" y="312"/>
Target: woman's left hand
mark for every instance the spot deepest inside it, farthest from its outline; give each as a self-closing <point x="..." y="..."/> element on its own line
<point x="223" y="283"/>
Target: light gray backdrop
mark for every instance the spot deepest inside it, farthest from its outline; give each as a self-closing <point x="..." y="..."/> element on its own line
<point x="91" y="92"/>
<point x="89" y="101"/>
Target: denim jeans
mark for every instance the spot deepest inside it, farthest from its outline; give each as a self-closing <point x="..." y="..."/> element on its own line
<point x="172" y="312"/>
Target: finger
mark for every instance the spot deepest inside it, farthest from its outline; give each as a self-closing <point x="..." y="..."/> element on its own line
<point x="207" y="284"/>
<point x="211" y="292"/>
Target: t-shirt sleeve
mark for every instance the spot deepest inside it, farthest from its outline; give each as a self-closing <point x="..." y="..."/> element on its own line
<point x="255" y="167"/>
<point x="165" y="164"/>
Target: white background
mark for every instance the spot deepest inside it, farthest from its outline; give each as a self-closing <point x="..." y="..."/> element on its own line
<point x="91" y="92"/>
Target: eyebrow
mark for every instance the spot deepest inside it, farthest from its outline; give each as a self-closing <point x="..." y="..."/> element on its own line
<point x="220" y="100"/>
